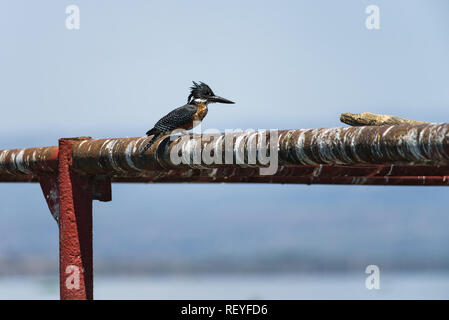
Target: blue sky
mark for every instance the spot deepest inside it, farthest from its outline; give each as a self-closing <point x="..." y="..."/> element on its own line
<point x="287" y="64"/>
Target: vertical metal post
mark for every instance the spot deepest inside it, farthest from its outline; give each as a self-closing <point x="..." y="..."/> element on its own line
<point x="69" y="197"/>
<point x="75" y="229"/>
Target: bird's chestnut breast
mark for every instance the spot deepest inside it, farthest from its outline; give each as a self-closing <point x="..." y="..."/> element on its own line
<point x="201" y="112"/>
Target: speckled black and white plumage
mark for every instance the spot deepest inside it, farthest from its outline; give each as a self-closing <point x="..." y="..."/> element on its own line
<point x="175" y="119"/>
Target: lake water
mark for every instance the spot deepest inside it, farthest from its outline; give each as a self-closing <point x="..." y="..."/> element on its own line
<point x="429" y="285"/>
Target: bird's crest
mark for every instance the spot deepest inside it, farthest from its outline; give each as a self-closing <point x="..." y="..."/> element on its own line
<point x="200" y="90"/>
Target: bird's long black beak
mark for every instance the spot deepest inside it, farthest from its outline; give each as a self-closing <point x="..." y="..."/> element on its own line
<point x="220" y="100"/>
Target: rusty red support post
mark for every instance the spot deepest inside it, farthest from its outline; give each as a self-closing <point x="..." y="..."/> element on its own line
<point x="75" y="229"/>
<point x="69" y="196"/>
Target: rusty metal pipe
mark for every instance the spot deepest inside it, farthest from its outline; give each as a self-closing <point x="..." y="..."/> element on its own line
<point x="322" y="174"/>
<point x="402" y="144"/>
<point x="28" y="162"/>
<point x="307" y="174"/>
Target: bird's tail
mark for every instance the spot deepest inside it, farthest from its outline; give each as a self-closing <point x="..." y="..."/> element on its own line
<point x="156" y="134"/>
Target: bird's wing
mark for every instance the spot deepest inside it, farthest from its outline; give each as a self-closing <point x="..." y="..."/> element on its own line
<point x="176" y="118"/>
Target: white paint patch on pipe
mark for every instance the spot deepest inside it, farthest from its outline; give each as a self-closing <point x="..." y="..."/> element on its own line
<point x="324" y="145"/>
<point x="354" y="135"/>
<point x="129" y="151"/>
<point x="441" y="135"/>
<point x="19" y="162"/>
<point x="3" y="160"/>
<point x="317" y="171"/>
<point x="391" y="170"/>
<point x="412" y="144"/>
<point x="359" y="180"/>
<point x="213" y="173"/>
<point x="108" y="146"/>
<point x="339" y="143"/>
<point x="300" y="146"/>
